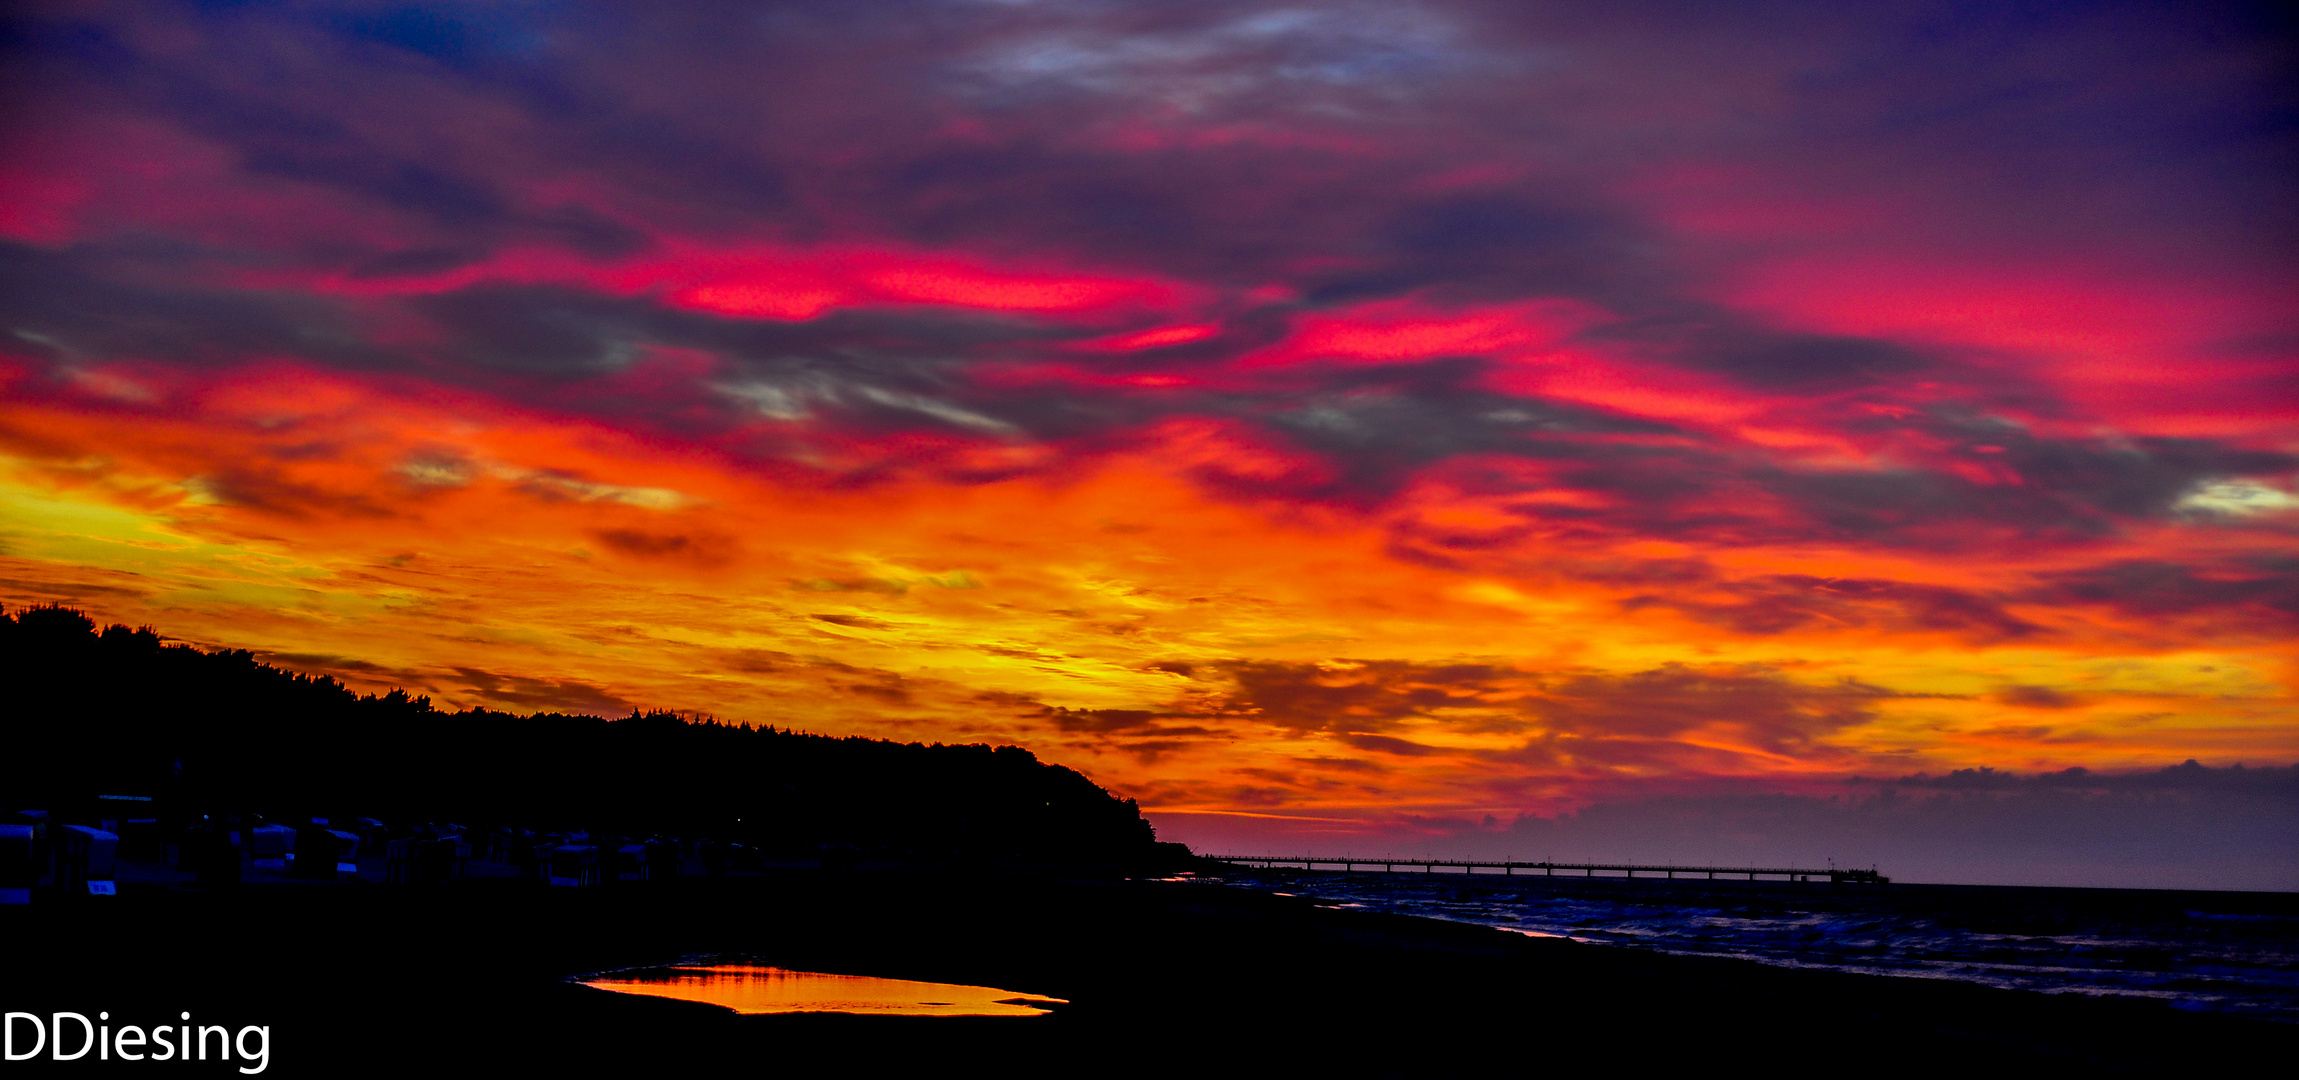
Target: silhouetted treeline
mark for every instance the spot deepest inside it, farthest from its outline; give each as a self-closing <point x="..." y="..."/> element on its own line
<point x="120" y="712"/>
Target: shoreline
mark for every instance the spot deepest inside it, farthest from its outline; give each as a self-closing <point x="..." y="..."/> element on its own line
<point x="1157" y="973"/>
<point x="2196" y="950"/>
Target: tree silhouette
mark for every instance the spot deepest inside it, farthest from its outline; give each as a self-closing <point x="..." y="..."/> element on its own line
<point x="121" y="711"/>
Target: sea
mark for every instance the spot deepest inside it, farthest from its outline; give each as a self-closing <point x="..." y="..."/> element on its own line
<point x="2224" y="952"/>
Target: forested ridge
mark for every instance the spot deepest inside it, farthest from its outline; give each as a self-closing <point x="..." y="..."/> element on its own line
<point x="217" y="731"/>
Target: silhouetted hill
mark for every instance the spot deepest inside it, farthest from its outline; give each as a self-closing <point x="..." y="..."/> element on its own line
<point x="217" y="731"/>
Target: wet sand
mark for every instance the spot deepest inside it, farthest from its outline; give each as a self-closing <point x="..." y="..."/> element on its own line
<point x="361" y="978"/>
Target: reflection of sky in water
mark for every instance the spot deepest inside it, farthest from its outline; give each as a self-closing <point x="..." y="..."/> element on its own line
<point x="750" y="988"/>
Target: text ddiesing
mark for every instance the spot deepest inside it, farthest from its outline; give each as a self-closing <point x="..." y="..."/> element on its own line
<point x="165" y="1042"/>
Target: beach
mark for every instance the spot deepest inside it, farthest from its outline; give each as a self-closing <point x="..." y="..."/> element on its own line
<point x="1160" y="975"/>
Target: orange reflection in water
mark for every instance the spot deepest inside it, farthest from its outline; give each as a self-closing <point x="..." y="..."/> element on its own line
<point x="749" y="988"/>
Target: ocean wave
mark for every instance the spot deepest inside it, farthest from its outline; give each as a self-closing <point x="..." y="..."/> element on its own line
<point x="2235" y="953"/>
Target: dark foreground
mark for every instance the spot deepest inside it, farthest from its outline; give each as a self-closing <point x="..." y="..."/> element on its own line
<point x="1163" y="977"/>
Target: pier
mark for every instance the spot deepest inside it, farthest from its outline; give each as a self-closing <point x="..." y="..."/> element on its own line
<point x="1832" y="875"/>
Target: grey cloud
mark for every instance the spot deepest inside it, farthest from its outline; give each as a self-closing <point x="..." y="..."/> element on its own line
<point x="1775" y="712"/>
<point x="521" y="693"/>
<point x="98" y="302"/>
<point x="2188" y="776"/>
<point x="1781" y="603"/>
<point x="2259" y="593"/>
<point x="1383" y="744"/>
<point x="2036" y="697"/>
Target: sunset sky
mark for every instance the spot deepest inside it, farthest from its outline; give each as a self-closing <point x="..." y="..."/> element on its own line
<point x="1376" y="427"/>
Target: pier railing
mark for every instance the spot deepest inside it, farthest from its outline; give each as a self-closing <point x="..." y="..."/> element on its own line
<point x="1833" y="875"/>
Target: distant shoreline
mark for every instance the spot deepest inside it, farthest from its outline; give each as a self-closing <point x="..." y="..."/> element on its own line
<point x="2219" y="952"/>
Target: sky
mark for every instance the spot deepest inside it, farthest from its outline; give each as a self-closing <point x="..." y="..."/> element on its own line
<point x="1604" y="430"/>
